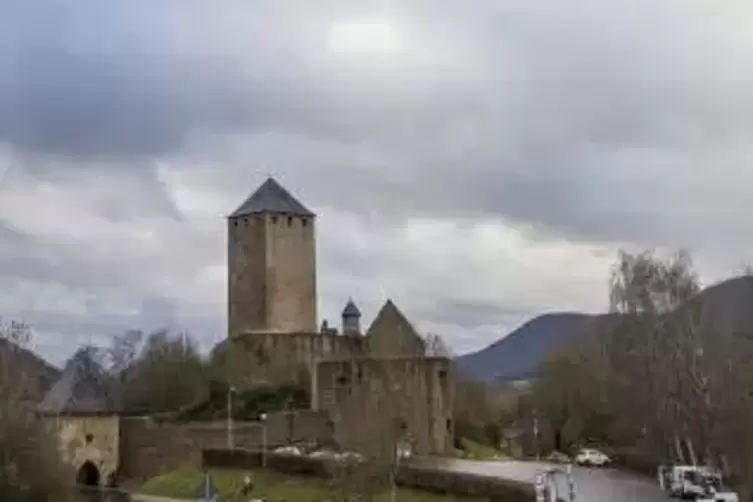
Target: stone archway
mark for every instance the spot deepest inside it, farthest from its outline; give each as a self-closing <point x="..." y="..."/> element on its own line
<point x="88" y="475"/>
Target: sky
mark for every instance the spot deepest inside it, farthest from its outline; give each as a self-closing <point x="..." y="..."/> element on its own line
<point x="480" y="162"/>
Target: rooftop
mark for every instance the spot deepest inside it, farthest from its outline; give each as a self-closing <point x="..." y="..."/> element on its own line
<point x="81" y="388"/>
<point x="351" y="310"/>
<point x="271" y="198"/>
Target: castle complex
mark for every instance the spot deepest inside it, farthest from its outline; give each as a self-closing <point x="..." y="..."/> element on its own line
<point x="273" y="335"/>
<point x="368" y="388"/>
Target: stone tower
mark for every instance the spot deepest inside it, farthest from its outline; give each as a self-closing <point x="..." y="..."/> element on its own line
<point x="271" y="264"/>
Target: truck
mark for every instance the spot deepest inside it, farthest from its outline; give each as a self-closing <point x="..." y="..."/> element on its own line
<point x="699" y="483"/>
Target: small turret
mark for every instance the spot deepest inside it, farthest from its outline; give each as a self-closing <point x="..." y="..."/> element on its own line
<point x="351" y="319"/>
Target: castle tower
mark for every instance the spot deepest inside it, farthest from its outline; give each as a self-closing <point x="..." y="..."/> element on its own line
<point x="271" y="264"/>
<point x="351" y="318"/>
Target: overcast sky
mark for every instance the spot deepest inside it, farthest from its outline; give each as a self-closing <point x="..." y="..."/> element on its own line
<point x="478" y="162"/>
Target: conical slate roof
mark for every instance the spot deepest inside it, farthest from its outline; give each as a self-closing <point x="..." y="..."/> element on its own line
<point x="81" y="388"/>
<point x="271" y="198"/>
<point x="351" y="310"/>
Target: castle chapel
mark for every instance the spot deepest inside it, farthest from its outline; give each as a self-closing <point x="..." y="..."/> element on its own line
<point x="274" y="336"/>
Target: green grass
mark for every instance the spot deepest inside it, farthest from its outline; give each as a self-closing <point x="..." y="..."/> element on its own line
<point x="477" y="451"/>
<point x="269" y="485"/>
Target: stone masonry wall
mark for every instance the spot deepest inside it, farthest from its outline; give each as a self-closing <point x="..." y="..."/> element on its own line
<point x="247" y="269"/>
<point x="281" y="358"/>
<point x="291" y="274"/>
<point x="149" y="447"/>
<point x="271" y="274"/>
<point x="89" y="438"/>
<point x="365" y="394"/>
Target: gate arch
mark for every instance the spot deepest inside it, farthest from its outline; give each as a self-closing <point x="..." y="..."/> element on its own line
<point x="88" y="474"/>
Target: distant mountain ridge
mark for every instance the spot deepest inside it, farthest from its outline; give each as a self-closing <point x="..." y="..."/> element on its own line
<point x="518" y="355"/>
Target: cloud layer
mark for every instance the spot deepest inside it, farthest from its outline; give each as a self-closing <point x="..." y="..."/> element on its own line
<point x="483" y="173"/>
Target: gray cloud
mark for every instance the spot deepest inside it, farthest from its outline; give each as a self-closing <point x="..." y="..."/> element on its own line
<point x="133" y="127"/>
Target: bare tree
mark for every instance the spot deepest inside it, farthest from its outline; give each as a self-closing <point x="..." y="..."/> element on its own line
<point x="657" y="344"/>
<point x="436" y="346"/>
<point x="30" y="467"/>
<point x="124" y="350"/>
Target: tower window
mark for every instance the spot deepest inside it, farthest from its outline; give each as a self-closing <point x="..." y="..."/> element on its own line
<point x="274" y="219"/>
<point x="305" y="222"/>
<point x="245" y="221"/>
<point x="89" y="438"/>
<point x="235" y="223"/>
<point x="290" y="221"/>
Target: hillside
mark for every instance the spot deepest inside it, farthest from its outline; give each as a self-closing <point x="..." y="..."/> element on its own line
<point x="42" y="375"/>
<point x="727" y="306"/>
<point x="517" y="355"/>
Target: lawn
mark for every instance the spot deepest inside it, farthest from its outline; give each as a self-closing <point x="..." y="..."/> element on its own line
<point x="269" y="485"/>
<point x="477" y="451"/>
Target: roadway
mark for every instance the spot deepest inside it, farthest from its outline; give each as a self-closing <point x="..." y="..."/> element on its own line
<point x="592" y="485"/>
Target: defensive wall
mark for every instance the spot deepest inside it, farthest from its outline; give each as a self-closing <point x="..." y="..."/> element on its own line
<point x="149" y="447"/>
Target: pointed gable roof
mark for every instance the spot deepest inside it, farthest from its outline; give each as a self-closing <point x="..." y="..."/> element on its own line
<point x="271" y="198"/>
<point x="351" y="310"/>
<point x="392" y="334"/>
<point x="81" y="388"/>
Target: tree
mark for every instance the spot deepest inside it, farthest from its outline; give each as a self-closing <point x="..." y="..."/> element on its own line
<point x="436" y="346"/>
<point x="30" y="467"/>
<point x="662" y="340"/>
<point x="168" y="374"/>
<point x="124" y="350"/>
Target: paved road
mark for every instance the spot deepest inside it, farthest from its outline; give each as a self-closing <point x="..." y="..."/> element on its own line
<point x="593" y="485"/>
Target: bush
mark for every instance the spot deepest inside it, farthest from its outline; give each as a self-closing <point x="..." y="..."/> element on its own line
<point x="247" y="405"/>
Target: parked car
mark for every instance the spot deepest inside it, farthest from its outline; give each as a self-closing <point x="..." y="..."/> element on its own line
<point x="345" y="456"/>
<point x="288" y="450"/>
<point x="592" y="457"/>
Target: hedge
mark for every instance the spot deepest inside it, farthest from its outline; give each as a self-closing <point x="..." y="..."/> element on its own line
<point x="410" y="475"/>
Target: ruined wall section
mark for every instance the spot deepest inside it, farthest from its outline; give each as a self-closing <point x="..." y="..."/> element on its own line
<point x="410" y="393"/>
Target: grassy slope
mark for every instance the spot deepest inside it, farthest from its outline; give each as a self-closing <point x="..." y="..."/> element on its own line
<point x="269" y="485"/>
<point x="477" y="451"/>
